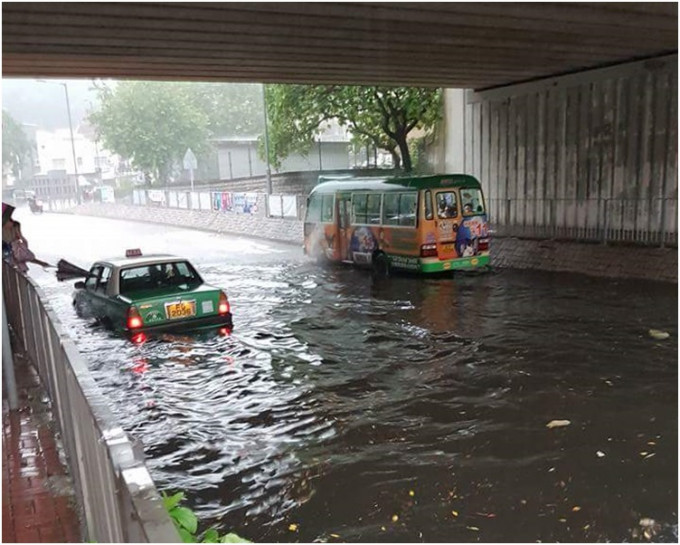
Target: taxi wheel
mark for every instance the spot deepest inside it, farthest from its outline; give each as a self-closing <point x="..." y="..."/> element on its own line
<point x="380" y="266"/>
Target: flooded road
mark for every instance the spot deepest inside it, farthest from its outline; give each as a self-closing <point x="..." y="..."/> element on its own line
<point x="411" y="411"/>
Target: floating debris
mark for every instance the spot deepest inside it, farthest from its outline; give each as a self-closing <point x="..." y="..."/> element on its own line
<point x="557" y="424"/>
<point x="473" y="528"/>
<point x="600" y="454"/>
<point x="658" y="334"/>
<point x="395" y="518"/>
<point x="411" y="493"/>
<point x="576" y="509"/>
<point x="293" y="527"/>
<point x="454" y="513"/>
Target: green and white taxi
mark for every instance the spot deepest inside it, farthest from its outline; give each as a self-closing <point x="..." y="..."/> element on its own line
<point x="151" y="293"/>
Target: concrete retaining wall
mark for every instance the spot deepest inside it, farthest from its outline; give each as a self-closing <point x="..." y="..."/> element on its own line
<point x="592" y="259"/>
<point x="269" y="228"/>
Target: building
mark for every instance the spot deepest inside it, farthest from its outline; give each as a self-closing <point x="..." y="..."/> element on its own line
<point x="239" y="158"/>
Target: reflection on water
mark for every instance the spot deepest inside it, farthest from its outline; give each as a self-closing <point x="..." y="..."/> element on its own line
<point x="414" y="410"/>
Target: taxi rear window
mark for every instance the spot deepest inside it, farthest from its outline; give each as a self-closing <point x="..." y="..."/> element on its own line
<point x="157" y="276"/>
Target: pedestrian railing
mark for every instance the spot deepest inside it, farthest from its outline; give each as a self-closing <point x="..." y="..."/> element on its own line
<point x="119" y="501"/>
<point x="651" y="222"/>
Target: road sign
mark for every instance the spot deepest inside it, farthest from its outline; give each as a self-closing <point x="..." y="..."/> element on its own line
<point x="190" y="162"/>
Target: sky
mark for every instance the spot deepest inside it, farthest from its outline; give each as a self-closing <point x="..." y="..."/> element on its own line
<point x="44" y="104"/>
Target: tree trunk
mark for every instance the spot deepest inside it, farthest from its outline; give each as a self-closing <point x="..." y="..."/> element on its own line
<point x="400" y="138"/>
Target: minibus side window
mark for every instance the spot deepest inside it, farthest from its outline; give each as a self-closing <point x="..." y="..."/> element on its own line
<point x="327" y="208"/>
<point x="428" y="205"/>
<point x="313" y="208"/>
<point x="391" y="209"/>
<point x="359" y="205"/>
<point x="407" y="209"/>
<point x="373" y="209"/>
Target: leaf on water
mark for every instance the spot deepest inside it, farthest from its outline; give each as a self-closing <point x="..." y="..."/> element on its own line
<point x="335" y="535"/>
<point x="293" y="527"/>
<point x="576" y="508"/>
<point x="600" y="454"/>
<point x="411" y="493"/>
<point x="233" y="538"/>
<point x="210" y="536"/>
<point x="171" y="501"/>
<point x="454" y="513"/>
<point x="395" y="518"/>
<point x="644" y="453"/>
<point x="185" y="518"/>
<point x="650" y="455"/>
<point x="473" y="528"/>
<point x="383" y="528"/>
<point x="187" y="537"/>
<point x="658" y="334"/>
<point x="557" y="424"/>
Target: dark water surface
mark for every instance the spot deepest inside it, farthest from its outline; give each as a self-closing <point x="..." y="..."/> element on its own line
<point x="411" y="411"/>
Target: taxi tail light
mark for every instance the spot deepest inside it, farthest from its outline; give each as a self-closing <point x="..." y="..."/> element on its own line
<point x="428" y="250"/>
<point x="134" y="320"/>
<point x="223" y="304"/>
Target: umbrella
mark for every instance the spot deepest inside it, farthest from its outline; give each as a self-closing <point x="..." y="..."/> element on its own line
<point x="7" y="210"/>
<point x="69" y="271"/>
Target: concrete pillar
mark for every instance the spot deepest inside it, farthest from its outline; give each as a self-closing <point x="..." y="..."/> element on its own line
<point x="454" y="120"/>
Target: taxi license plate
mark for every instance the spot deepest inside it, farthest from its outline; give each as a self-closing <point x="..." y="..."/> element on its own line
<point x="183" y="309"/>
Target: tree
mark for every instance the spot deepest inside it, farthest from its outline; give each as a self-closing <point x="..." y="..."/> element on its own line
<point x="232" y="109"/>
<point x="16" y="147"/>
<point x="383" y="116"/>
<point x="151" y="124"/>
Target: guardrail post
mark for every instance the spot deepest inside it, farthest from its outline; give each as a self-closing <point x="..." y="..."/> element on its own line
<point x="8" y="364"/>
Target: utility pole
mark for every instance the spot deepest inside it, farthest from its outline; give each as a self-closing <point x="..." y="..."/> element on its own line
<point x="266" y="146"/>
<point x="73" y="145"/>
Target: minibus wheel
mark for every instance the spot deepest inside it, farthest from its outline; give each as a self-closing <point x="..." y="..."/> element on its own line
<point x="380" y="265"/>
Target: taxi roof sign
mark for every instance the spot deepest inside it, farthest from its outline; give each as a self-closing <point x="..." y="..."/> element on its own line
<point x="136" y="252"/>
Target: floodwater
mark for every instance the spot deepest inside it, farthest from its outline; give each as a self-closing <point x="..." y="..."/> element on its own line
<point x="414" y="410"/>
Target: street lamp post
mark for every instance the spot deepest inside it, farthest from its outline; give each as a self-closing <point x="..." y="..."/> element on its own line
<point x="70" y="126"/>
<point x="266" y="148"/>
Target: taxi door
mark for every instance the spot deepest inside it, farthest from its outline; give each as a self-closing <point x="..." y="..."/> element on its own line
<point x="447" y="219"/>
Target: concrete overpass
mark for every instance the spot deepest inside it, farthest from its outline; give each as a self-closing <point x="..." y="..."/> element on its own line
<point x="463" y="45"/>
<point x="572" y="129"/>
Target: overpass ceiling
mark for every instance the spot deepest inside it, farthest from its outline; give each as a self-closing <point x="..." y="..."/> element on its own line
<point x="470" y="45"/>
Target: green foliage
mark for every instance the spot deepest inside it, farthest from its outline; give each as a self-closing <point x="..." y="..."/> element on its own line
<point x="186" y="523"/>
<point x="382" y="116"/>
<point x="15" y="145"/>
<point x="150" y="123"/>
<point x="231" y="109"/>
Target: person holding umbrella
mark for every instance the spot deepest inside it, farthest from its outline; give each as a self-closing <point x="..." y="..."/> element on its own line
<point x="21" y="253"/>
<point x="7" y="230"/>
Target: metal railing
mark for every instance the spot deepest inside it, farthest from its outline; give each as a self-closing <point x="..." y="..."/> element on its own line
<point x="641" y="221"/>
<point x="119" y="500"/>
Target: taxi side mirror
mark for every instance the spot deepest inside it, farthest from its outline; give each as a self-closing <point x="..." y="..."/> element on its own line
<point x="79" y="285"/>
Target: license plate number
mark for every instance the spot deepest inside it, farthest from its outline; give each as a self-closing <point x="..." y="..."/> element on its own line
<point x="183" y="309"/>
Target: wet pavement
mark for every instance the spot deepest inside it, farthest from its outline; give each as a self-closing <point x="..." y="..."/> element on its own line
<point x="414" y="410"/>
<point x="38" y="503"/>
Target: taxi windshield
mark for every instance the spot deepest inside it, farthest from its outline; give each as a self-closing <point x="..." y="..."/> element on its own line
<point x="158" y="276"/>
